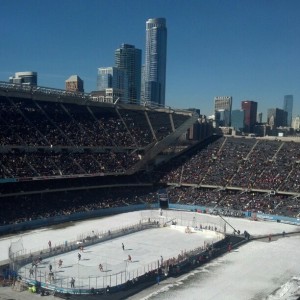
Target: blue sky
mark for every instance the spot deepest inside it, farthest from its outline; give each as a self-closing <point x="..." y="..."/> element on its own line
<point x="247" y="49"/>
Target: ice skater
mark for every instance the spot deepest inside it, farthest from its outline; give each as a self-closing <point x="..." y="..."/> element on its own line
<point x="123" y="247"/>
<point x="60" y="263"/>
<point x="129" y="258"/>
<point x="72" y="282"/>
<point x="101" y="267"/>
<point x="50" y="267"/>
<point x="51" y="276"/>
<point x="79" y="256"/>
<point x="34" y="264"/>
<point x="30" y="272"/>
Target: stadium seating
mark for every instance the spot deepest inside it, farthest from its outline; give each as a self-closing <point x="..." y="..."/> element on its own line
<point x="70" y="150"/>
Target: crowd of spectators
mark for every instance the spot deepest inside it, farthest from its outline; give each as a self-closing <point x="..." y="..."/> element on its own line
<point x="24" y="208"/>
<point x="39" y="164"/>
<point x="233" y="202"/>
<point x="33" y="123"/>
<point x="225" y="202"/>
<point x="41" y="139"/>
<point x="241" y="163"/>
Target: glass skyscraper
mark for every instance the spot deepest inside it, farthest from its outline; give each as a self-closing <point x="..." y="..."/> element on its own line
<point x="288" y="107"/>
<point x="113" y="78"/>
<point x="129" y="59"/>
<point x="156" y="61"/>
<point x="238" y="120"/>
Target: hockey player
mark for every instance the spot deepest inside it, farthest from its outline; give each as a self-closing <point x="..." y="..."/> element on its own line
<point x="72" y="282"/>
<point x="30" y="272"/>
<point x="101" y="267"/>
<point x="60" y="263"/>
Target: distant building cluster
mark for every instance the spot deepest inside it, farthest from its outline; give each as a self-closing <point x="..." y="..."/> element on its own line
<point x="129" y="81"/>
<point x="247" y="120"/>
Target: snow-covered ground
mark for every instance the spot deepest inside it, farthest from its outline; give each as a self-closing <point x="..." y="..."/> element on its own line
<point x="257" y="270"/>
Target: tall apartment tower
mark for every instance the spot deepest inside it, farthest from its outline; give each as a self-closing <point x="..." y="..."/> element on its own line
<point x="288" y="107"/>
<point x="143" y="83"/>
<point x="223" y="106"/>
<point x="250" y="108"/>
<point x="129" y="59"/>
<point x="156" y="61"/>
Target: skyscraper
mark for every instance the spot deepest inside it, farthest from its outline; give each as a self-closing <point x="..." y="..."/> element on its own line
<point x="250" y="108"/>
<point x="223" y="106"/>
<point x="238" y="120"/>
<point x="115" y="80"/>
<point x="288" y="107"/>
<point x="156" y="60"/>
<point x="276" y="117"/>
<point x="129" y="59"/>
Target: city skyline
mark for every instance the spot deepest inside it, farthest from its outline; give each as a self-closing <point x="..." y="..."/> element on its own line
<point x="247" y="50"/>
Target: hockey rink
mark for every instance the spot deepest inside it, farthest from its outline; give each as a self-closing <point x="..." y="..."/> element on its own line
<point x="146" y="248"/>
<point x="254" y="271"/>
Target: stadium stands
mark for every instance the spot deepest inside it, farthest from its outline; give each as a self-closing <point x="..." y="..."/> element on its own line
<point x="62" y="146"/>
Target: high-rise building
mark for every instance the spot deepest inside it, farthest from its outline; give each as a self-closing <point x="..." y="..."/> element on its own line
<point x="74" y="84"/>
<point x="259" y="117"/>
<point x="238" y="120"/>
<point x="114" y="79"/>
<point x="156" y="60"/>
<point x="276" y="117"/>
<point x="28" y="78"/>
<point x="129" y="59"/>
<point x="288" y="107"/>
<point x="223" y="107"/>
<point x="143" y="83"/>
<point x="250" y="108"/>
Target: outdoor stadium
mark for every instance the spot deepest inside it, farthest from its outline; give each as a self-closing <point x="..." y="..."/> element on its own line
<point x="180" y="194"/>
